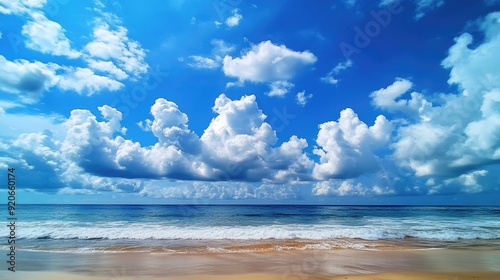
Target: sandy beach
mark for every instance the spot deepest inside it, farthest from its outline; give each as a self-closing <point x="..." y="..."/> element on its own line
<point x="451" y="264"/>
<point x="256" y="242"/>
<point x="260" y="276"/>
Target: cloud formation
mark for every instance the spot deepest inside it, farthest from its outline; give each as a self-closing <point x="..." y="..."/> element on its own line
<point x="26" y="79"/>
<point x="425" y="6"/>
<point x="214" y="61"/>
<point x="451" y="144"/>
<point x="47" y="36"/>
<point x="201" y="62"/>
<point x="302" y="98"/>
<point x="203" y="192"/>
<point x="279" y="88"/>
<point x="330" y="77"/>
<point x="349" y="187"/>
<point x="424" y="144"/>
<point x="388" y="99"/>
<point x="422" y="7"/>
<point x="231" y="21"/>
<point x="346" y="147"/>
<point x="268" y="63"/>
<point x="113" y="46"/>
<point x="110" y="57"/>
<point x="237" y="145"/>
<point x="234" y="20"/>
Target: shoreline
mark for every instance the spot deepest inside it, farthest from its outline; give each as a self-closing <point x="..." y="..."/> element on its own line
<point x="161" y="246"/>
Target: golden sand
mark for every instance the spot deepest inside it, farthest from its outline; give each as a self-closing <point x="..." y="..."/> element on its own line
<point x="347" y="264"/>
<point x="268" y="276"/>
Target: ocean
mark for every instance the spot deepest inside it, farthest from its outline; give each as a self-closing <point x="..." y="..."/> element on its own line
<point x="178" y="229"/>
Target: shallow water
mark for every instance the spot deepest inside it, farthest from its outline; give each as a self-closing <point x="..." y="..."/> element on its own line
<point x="203" y="229"/>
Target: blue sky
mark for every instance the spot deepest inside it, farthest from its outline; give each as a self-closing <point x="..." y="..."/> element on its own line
<point x="340" y="102"/>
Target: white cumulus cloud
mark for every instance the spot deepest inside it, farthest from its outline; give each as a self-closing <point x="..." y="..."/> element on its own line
<point x="346" y="147"/>
<point x="237" y="145"/>
<point x="388" y="99"/>
<point x="280" y="88"/>
<point x="460" y="134"/>
<point x="240" y="143"/>
<point x="112" y="44"/>
<point x="85" y="81"/>
<point x="267" y="63"/>
<point x="107" y="67"/>
<point x="109" y="58"/>
<point x="47" y="36"/>
<point x="19" y="7"/>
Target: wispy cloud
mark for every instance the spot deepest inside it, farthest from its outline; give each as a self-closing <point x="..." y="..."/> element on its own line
<point x="330" y="78"/>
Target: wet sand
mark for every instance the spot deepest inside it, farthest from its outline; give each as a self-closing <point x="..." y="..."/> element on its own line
<point x="261" y="276"/>
<point x="451" y="264"/>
